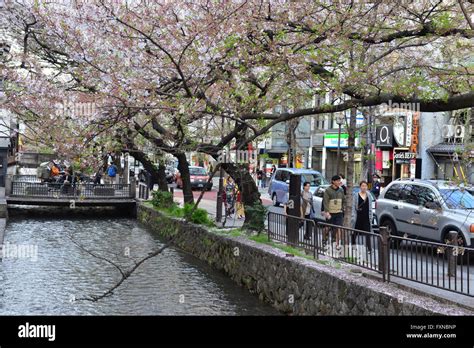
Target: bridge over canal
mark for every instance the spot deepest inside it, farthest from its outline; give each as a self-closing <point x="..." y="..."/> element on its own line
<point x="29" y="190"/>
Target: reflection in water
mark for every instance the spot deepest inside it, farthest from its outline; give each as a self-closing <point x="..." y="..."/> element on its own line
<point x="172" y="283"/>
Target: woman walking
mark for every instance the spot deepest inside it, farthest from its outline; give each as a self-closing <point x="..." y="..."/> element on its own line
<point x="229" y="196"/>
<point x="307" y="208"/>
<point x="362" y="214"/>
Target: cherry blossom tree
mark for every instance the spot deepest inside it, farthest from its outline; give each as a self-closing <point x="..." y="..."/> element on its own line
<point x="162" y="70"/>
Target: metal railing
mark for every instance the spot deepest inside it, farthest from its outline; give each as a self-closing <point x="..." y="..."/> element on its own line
<point x="444" y="266"/>
<point x="25" y="178"/>
<point x="80" y="191"/>
<point x="279" y="226"/>
<point x="360" y="248"/>
<point x="143" y="191"/>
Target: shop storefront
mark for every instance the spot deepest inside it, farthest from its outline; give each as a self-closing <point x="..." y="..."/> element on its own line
<point x="397" y="147"/>
<point x="330" y="159"/>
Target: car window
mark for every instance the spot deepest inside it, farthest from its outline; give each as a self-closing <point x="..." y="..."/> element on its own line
<point x="371" y="195"/>
<point x="285" y="175"/>
<point x="313" y="179"/>
<point x="393" y="192"/>
<point x="320" y="192"/>
<point x="457" y="199"/>
<point x="197" y="171"/>
<point x="424" y="195"/>
<point x="278" y="175"/>
<point x="408" y="194"/>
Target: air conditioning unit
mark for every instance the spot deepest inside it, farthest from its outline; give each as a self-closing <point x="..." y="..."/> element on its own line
<point x="460" y="132"/>
<point x="448" y="131"/>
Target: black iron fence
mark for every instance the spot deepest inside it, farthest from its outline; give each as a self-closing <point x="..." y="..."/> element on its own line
<point x="143" y="191"/>
<point x="360" y="248"/>
<point x="444" y="266"/>
<point x="279" y="225"/>
<point x="79" y="191"/>
<point x="26" y="178"/>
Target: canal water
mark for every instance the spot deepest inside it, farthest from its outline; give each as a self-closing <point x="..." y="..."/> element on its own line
<point x="50" y="281"/>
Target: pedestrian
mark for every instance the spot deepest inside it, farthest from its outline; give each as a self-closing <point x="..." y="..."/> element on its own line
<point x="240" y="206"/>
<point x="149" y="180"/>
<point x="111" y="173"/>
<point x="273" y="169"/>
<point x="376" y="186"/>
<point x="307" y="208"/>
<point x="229" y="196"/>
<point x="362" y="215"/>
<point x="98" y="177"/>
<point x="334" y="201"/>
<point x="66" y="187"/>
<point x="55" y="171"/>
<point x="142" y="176"/>
<point x="259" y="178"/>
<point x="343" y="183"/>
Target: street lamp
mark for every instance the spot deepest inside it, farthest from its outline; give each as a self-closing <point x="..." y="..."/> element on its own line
<point x="339" y="121"/>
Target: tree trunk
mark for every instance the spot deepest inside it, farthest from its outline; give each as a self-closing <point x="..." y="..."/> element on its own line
<point x="157" y="175"/>
<point x="247" y="186"/>
<point x="183" y="167"/>
<point x="350" y="167"/>
<point x="161" y="178"/>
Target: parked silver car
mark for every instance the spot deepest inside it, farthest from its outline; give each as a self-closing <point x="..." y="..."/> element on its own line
<point x="427" y="209"/>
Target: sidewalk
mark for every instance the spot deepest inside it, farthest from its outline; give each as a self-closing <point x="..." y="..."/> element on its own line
<point x="209" y="203"/>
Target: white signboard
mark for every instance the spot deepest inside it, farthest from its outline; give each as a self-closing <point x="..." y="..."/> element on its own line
<point x="409" y="129"/>
<point x="385" y="159"/>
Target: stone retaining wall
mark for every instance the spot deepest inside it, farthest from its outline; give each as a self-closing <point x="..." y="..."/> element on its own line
<point x="293" y="285"/>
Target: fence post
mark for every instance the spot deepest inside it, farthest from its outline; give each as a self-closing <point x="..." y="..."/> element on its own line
<point x="384" y="252"/>
<point x="293" y="210"/>
<point x="452" y="241"/>
<point x="268" y="225"/>
<point x="133" y="188"/>
<point x="315" y="240"/>
<point x="8" y="185"/>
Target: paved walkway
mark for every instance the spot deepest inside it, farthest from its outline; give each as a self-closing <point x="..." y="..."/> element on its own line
<point x="3" y="220"/>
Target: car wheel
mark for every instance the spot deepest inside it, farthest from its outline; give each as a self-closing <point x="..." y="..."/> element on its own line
<point x="275" y="201"/>
<point x="392" y="230"/>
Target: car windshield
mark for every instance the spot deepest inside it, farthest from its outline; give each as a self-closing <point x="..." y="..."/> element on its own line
<point x="313" y="179"/>
<point x="197" y="171"/>
<point x="457" y="199"/>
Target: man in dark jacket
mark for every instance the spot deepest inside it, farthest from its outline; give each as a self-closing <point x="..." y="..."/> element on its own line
<point x="333" y="202"/>
<point x="376" y="186"/>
